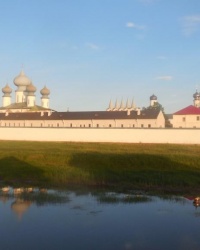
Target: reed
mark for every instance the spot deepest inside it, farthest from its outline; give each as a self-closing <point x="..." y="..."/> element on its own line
<point x="151" y="167"/>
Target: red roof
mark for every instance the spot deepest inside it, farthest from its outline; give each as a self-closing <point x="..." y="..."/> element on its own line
<point x="190" y="110"/>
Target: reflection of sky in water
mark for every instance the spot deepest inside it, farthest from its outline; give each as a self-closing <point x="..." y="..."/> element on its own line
<point x="84" y="222"/>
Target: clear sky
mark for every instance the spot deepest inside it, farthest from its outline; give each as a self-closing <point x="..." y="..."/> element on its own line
<point x="88" y="52"/>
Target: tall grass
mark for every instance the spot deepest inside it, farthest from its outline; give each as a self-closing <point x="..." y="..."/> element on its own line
<point x="123" y="166"/>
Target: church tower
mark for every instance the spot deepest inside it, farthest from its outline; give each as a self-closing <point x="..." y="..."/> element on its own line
<point x="153" y="100"/>
<point x="45" y="92"/>
<point x="31" y="89"/>
<point x="6" y="97"/>
<point x="196" y="99"/>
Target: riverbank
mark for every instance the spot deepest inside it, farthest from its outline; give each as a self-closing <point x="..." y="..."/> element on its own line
<point x="146" y="167"/>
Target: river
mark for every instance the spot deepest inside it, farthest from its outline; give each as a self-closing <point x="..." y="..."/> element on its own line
<point x="34" y="218"/>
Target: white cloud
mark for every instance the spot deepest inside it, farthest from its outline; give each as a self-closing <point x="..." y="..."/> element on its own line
<point x="191" y="24"/>
<point x="164" y="78"/>
<point x="135" y="26"/>
<point x="92" y="46"/>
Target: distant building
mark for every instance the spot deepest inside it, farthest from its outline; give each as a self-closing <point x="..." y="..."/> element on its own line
<point x="188" y="117"/>
<point x="25" y="113"/>
<point x="24" y="96"/>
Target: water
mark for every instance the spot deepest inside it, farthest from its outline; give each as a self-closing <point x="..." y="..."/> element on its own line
<point x="49" y="219"/>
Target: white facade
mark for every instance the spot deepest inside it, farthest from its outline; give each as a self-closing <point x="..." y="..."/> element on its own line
<point x="65" y="120"/>
<point x="186" y="121"/>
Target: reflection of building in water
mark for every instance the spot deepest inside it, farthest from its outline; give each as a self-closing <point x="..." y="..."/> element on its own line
<point x="20" y="206"/>
<point x="5" y="189"/>
<point x="18" y="190"/>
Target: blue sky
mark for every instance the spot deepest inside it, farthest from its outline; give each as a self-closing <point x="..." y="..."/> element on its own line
<point x="88" y="52"/>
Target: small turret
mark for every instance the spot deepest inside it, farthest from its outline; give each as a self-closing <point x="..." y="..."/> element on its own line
<point x="6" y="97"/>
<point x="110" y="108"/>
<point x="196" y="99"/>
<point x="45" y="92"/>
<point x="31" y="89"/>
<point x="121" y="107"/>
<point x="116" y="108"/>
<point x="153" y="100"/>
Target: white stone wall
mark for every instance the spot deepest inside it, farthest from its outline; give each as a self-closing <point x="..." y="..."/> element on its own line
<point x="180" y="136"/>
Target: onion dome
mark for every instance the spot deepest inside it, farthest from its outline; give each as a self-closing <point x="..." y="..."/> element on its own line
<point x="31" y="88"/>
<point x="7" y="90"/>
<point x="196" y="95"/>
<point x="21" y="80"/>
<point x="45" y="91"/>
<point x="153" y="97"/>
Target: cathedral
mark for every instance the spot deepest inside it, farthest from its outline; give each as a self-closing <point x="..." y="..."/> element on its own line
<point x="24" y="96"/>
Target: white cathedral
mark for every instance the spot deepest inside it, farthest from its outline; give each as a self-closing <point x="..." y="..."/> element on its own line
<point x="24" y="96"/>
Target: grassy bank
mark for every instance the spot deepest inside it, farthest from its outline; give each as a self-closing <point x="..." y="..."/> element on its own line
<point x="151" y="167"/>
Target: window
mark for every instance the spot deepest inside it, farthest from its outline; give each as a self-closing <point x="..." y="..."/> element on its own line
<point x="149" y="125"/>
<point x="89" y="125"/>
<point x="142" y="125"/>
<point x="183" y="119"/>
<point x="57" y="124"/>
<point x="97" y="125"/>
<point x="70" y="125"/>
<point x="133" y="125"/>
<point x="198" y="118"/>
<point x="110" y="125"/>
<point x="122" y="125"/>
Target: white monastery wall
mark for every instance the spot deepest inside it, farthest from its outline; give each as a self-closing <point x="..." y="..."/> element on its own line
<point x="180" y="136"/>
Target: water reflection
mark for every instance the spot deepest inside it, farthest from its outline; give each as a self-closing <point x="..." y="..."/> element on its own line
<point x="24" y="197"/>
<point x="19" y="206"/>
<point x="38" y="218"/>
<point x="122" y="198"/>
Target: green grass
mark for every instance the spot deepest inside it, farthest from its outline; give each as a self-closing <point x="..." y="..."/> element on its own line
<point x="152" y="167"/>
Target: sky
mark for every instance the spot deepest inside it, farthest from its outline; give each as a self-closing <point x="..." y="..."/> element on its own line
<point x="88" y="52"/>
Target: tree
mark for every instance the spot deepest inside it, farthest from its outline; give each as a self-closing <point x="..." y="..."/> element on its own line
<point x="156" y="106"/>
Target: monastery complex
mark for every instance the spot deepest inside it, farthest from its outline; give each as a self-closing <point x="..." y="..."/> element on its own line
<point x="24" y="112"/>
